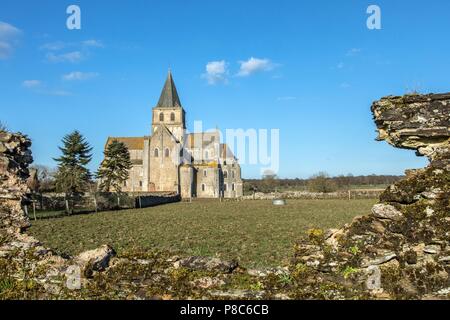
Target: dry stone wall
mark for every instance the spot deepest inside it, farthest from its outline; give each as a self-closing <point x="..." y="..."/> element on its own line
<point x="401" y="249"/>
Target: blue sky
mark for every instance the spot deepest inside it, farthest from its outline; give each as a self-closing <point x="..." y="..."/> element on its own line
<point x="315" y="71"/>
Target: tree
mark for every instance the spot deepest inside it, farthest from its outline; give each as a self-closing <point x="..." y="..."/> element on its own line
<point x="114" y="170"/>
<point x="321" y="182"/>
<point x="73" y="176"/>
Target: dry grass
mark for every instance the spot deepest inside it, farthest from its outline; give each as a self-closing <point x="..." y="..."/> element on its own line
<point x="255" y="232"/>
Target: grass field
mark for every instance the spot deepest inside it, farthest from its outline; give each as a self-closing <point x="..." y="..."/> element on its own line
<point x="255" y="232"/>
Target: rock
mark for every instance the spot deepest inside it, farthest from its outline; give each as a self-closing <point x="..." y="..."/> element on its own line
<point x="385" y="211"/>
<point x="95" y="260"/>
<point x="206" y="263"/>
<point x="378" y="226"/>
<point x="432" y="249"/>
<point x="445" y="259"/>
<point x="207" y="282"/>
<point x="380" y="260"/>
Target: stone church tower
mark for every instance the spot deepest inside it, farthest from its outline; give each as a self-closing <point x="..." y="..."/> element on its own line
<point x="169" y="111"/>
<point x="170" y="160"/>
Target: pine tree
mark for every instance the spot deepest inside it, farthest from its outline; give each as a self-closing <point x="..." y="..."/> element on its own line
<point x="73" y="176"/>
<point x="114" y="170"/>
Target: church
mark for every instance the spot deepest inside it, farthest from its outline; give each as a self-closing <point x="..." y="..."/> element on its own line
<point x="170" y="160"/>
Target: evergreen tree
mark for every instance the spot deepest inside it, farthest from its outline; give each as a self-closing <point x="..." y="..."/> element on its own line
<point x="73" y="176"/>
<point x="114" y="170"/>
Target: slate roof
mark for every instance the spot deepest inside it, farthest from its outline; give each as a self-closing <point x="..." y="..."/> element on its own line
<point x="169" y="95"/>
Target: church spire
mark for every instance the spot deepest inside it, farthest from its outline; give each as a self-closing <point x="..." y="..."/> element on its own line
<point x="169" y="95"/>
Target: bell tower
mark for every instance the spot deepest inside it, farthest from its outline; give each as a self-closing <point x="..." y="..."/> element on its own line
<point x="169" y="112"/>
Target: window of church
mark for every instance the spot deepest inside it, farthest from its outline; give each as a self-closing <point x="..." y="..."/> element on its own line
<point x="225" y="187"/>
<point x="205" y="173"/>
<point x="203" y="187"/>
<point x="124" y="183"/>
<point x="161" y="116"/>
<point x="206" y="155"/>
<point x="140" y="184"/>
<point x="156" y="153"/>
<point x="225" y="174"/>
<point x="233" y="187"/>
<point x="172" y="117"/>
<point x="232" y="174"/>
<point x="167" y="153"/>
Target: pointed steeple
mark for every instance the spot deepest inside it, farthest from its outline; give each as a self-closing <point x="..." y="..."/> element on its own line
<point x="169" y="95"/>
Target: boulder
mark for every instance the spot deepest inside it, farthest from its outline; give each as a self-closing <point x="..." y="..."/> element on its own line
<point x="95" y="260"/>
<point x="386" y="211"/>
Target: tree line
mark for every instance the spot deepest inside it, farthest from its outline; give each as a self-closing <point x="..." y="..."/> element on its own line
<point x="320" y="182"/>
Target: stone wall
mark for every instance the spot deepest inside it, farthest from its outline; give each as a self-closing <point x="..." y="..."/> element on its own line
<point x="15" y="157"/>
<point x="402" y="249"/>
<point x="353" y="194"/>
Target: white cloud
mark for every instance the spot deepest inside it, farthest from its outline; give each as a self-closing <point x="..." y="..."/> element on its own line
<point x="253" y="65"/>
<point x="8" y="31"/>
<point x="216" y="72"/>
<point x="353" y="52"/>
<point x="345" y="85"/>
<point x="77" y="75"/>
<point x="31" y="83"/>
<point x="59" y="45"/>
<point x="8" y="39"/>
<point x="72" y="57"/>
<point x="93" y="43"/>
<point x="54" y="46"/>
<point x="340" y="65"/>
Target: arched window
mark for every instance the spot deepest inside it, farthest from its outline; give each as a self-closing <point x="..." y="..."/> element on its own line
<point x="233" y="187"/>
<point x="232" y="174"/>
<point x="172" y="117"/>
<point x="225" y="187"/>
<point x="205" y="172"/>
<point x="167" y="153"/>
<point x="225" y="174"/>
<point x="206" y="155"/>
<point x="203" y="187"/>
<point x="156" y="153"/>
<point x="161" y="116"/>
<point x="224" y="163"/>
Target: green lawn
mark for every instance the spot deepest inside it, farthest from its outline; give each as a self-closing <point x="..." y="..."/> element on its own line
<point x="255" y="232"/>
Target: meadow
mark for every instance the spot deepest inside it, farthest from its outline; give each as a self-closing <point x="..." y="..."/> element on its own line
<point x="256" y="233"/>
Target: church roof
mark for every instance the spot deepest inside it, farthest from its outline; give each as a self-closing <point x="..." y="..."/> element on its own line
<point x="169" y="95"/>
<point x="132" y="143"/>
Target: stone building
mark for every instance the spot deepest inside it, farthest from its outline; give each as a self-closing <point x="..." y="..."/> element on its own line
<point x="171" y="160"/>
